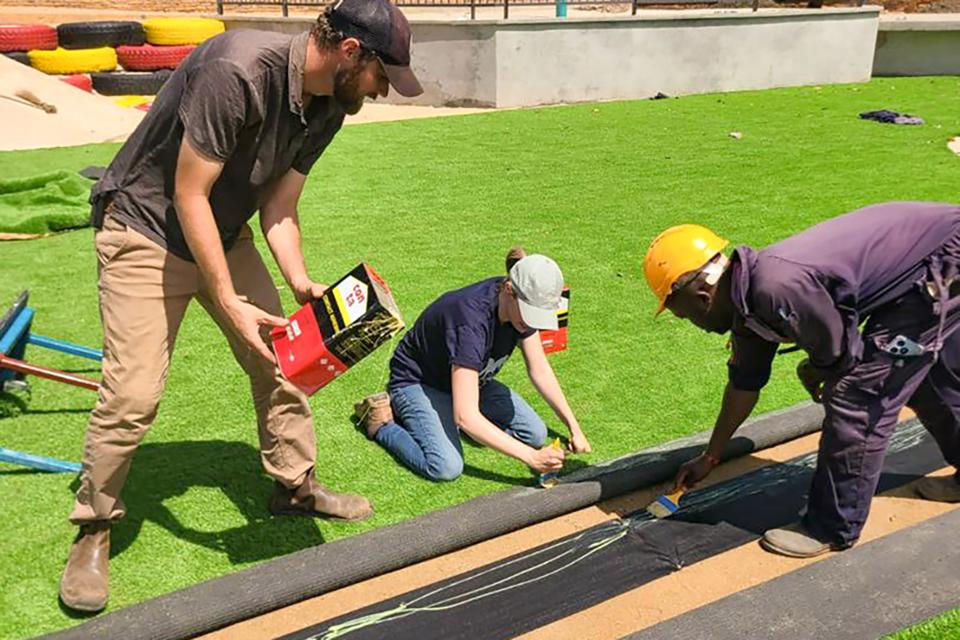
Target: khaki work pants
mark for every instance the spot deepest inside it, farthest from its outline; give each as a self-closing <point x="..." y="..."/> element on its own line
<point x="144" y="292"/>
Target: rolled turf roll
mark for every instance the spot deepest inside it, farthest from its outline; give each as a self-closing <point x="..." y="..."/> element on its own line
<point x="148" y="57"/>
<point x="65" y="61"/>
<point x="24" y="37"/>
<point x="177" y="31"/>
<point x="137" y="83"/>
<point x="107" y="33"/>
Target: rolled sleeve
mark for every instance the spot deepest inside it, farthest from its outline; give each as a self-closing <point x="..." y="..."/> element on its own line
<point x="751" y="361"/>
<point x="217" y="104"/>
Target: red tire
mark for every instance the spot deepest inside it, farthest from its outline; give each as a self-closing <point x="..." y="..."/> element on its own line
<point x="152" y="58"/>
<point x="24" y="37"/>
<point x="80" y="81"/>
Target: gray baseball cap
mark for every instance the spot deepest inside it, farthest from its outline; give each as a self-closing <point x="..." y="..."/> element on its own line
<point x="538" y="283"/>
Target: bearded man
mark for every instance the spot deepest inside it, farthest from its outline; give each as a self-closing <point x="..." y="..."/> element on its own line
<point x="234" y="131"/>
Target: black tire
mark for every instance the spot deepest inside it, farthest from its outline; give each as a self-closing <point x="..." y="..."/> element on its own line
<point x="130" y="84"/>
<point x="109" y="33"/>
<point x="19" y="56"/>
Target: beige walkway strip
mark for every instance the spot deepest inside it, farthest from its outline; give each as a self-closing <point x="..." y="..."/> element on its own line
<point x="717" y="577"/>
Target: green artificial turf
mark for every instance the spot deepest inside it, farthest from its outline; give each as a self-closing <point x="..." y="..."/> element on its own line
<point x="433" y="205"/>
<point x="943" y="627"/>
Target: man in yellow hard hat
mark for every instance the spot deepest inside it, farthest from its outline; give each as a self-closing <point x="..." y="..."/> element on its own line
<point x="895" y="268"/>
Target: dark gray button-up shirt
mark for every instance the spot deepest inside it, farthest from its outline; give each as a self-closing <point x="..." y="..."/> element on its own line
<point x="238" y="99"/>
<point x="815" y="288"/>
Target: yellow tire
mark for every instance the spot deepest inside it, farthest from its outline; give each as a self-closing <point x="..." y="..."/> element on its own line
<point x="66" y="61"/>
<point x="181" y="31"/>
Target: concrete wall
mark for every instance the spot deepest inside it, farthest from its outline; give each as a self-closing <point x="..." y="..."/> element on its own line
<point x="626" y="59"/>
<point x="532" y="62"/>
<point x="918" y="45"/>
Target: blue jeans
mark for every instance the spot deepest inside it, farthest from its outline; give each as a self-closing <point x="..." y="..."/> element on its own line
<point x="424" y="437"/>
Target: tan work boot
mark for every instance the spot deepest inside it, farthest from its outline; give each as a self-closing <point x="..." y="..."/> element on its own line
<point x="313" y="499"/>
<point x="794" y="541"/>
<point x="374" y="412"/>
<point x="939" y="489"/>
<point x="84" y="585"/>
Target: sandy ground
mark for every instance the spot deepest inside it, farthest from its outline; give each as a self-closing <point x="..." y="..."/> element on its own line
<point x="667" y="597"/>
<point x="80" y="117"/>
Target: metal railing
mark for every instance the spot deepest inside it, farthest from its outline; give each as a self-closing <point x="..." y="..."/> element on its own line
<point x="473" y="5"/>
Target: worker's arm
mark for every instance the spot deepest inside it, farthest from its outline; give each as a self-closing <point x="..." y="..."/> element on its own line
<point x="748" y="371"/>
<point x="280" y="223"/>
<point x="545" y="382"/>
<point x="465" y="387"/>
<point x="737" y="406"/>
<point x="194" y="180"/>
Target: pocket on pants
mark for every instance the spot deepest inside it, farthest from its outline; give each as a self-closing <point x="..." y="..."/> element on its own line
<point x="110" y="239"/>
<point x="881" y="376"/>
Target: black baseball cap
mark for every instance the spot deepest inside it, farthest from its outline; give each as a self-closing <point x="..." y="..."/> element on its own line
<point x="381" y="28"/>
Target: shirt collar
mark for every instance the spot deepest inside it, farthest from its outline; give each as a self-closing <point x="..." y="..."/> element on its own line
<point x="295" y="67"/>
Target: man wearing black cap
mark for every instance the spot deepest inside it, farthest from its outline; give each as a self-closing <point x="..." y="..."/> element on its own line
<point x="234" y="131"/>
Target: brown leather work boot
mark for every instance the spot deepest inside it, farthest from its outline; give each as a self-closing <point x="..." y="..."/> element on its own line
<point x="313" y="499"/>
<point x="374" y="412"/>
<point x="84" y="585"/>
<point x="939" y="489"/>
<point x="796" y="542"/>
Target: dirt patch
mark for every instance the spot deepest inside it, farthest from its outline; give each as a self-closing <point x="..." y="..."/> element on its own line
<point x="79" y="117"/>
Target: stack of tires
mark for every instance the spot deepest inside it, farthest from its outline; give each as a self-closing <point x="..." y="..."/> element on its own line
<point x="17" y="39"/>
<point x="87" y="54"/>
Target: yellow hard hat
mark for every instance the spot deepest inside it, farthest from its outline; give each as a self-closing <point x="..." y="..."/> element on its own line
<point x="676" y="251"/>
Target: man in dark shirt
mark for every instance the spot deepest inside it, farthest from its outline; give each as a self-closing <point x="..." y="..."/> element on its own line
<point x="235" y="131"/>
<point x="893" y="268"/>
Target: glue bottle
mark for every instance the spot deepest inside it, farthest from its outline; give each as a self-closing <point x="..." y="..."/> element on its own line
<point x="550" y="478"/>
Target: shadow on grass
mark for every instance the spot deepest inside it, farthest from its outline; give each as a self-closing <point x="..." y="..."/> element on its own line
<point x="49" y="412"/>
<point x="23" y="472"/>
<point x="166" y="470"/>
<point x="73" y="614"/>
<point x="528" y="480"/>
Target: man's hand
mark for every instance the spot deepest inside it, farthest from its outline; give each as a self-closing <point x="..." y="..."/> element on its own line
<point x="579" y="442"/>
<point x="308" y="291"/>
<point x="546" y="459"/>
<point x="812" y="379"/>
<point x="693" y="472"/>
<point x="247" y="319"/>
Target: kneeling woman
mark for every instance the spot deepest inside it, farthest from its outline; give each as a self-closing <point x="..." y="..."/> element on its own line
<point x="441" y="376"/>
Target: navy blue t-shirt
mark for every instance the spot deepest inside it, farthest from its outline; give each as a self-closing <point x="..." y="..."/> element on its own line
<point x="461" y="328"/>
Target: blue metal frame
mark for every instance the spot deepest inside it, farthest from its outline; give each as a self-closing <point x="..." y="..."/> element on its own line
<point x="65" y="347"/>
<point x="17" y="329"/>
<point x="38" y="462"/>
<point x="14" y="337"/>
